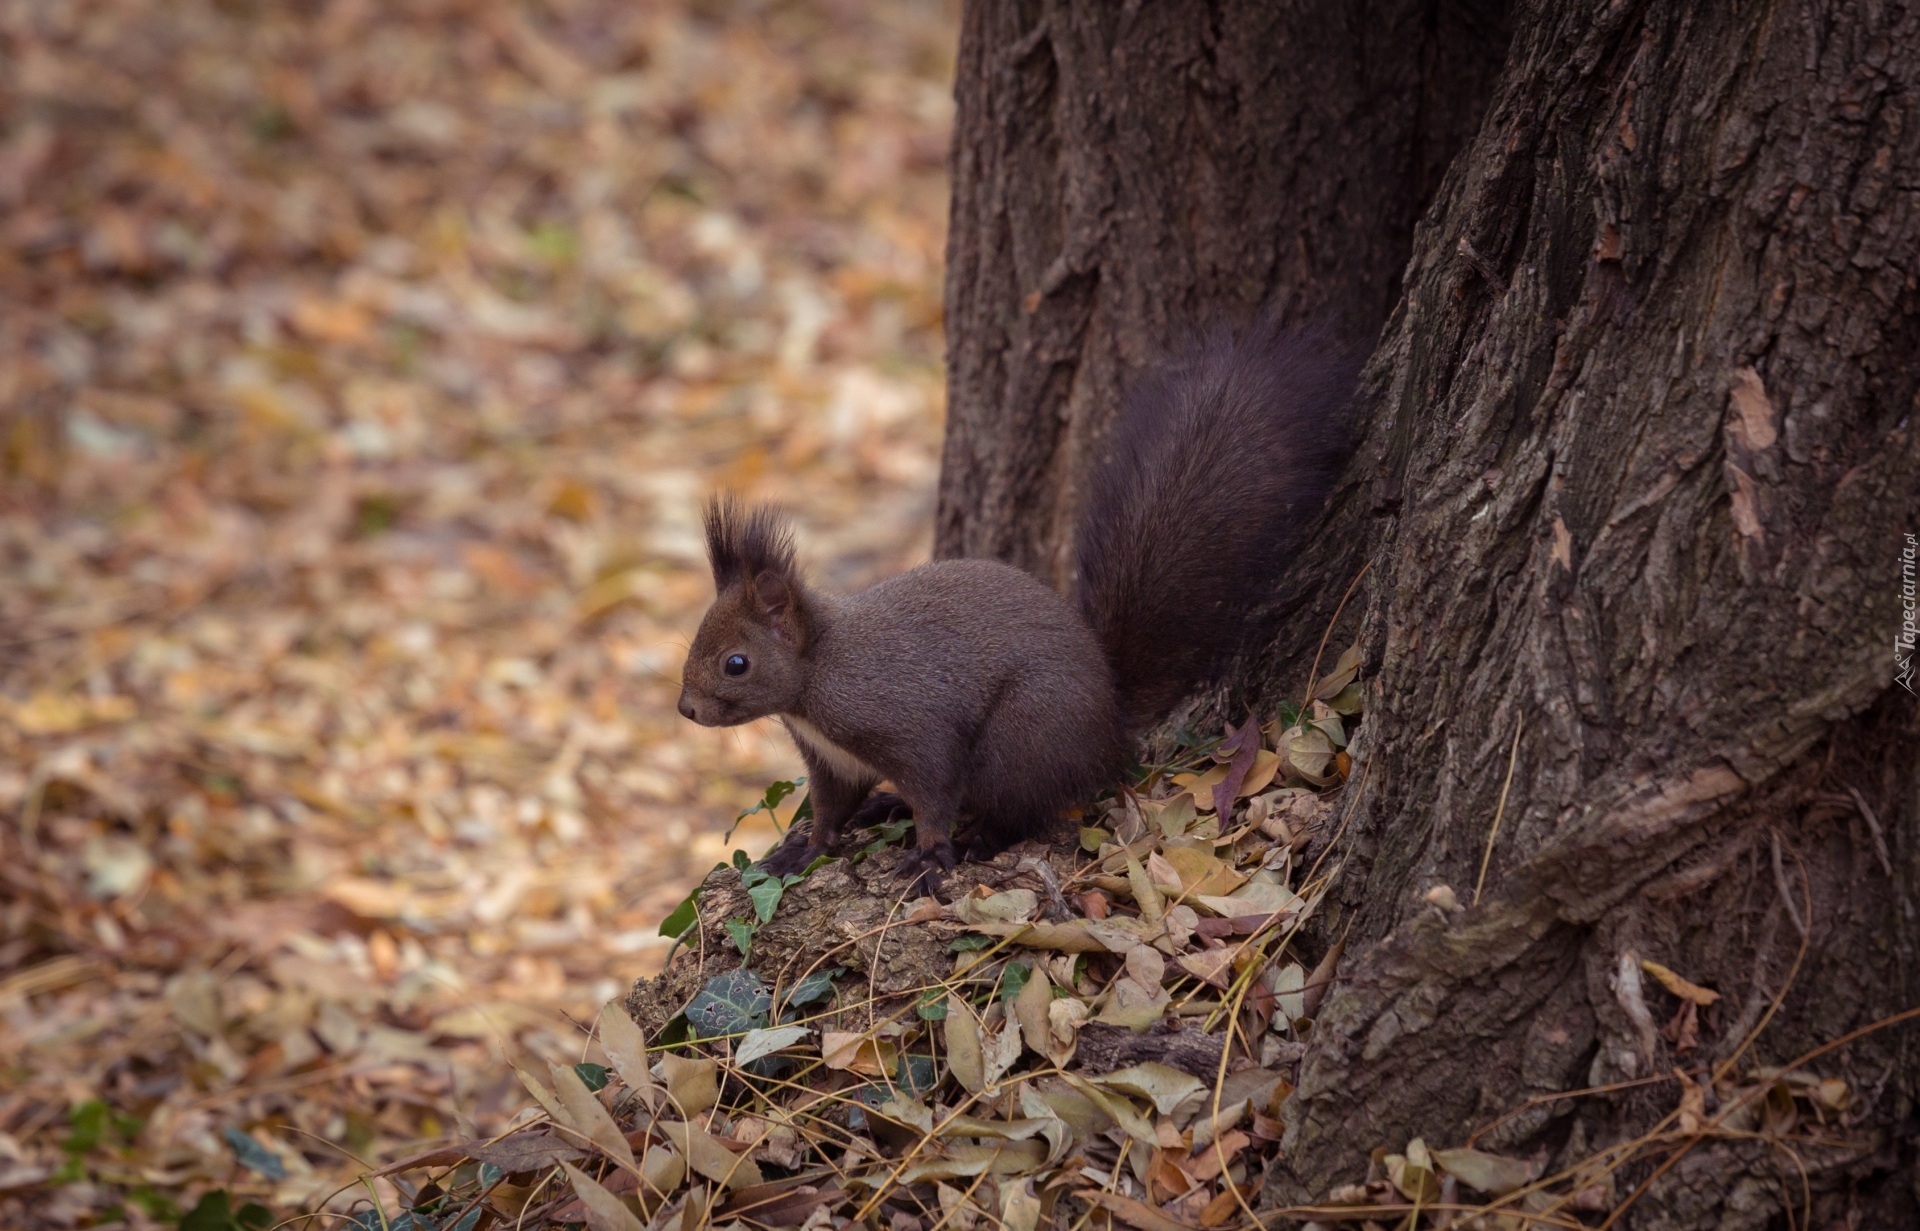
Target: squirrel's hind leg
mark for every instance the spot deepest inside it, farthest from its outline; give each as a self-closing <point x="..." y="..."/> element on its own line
<point x="993" y="832"/>
<point x="879" y="808"/>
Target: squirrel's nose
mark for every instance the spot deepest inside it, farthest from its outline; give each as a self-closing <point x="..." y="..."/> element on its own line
<point x="686" y="707"/>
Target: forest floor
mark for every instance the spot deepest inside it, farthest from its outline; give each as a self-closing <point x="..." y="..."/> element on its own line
<point x="362" y="370"/>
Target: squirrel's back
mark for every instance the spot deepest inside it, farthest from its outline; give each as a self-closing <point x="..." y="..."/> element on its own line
<point x="1217" y="465"/>
<point x="950" y="639"/>
<point x="965" y="621"/>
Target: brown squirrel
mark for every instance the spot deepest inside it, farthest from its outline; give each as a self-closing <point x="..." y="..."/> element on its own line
<point x="979" y="691"/>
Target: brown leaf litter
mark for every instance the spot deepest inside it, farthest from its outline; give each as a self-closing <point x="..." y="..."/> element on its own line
<point x="361" y="371"/>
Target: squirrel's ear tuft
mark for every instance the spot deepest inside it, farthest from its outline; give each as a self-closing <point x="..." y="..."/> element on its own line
<point x="744" y="543"/>
<point x="773" y="596"/>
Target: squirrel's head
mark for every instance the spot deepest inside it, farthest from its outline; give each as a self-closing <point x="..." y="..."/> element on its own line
<point x="746" y="658"/>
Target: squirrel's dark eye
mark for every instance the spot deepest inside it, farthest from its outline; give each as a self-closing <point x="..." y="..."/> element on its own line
<point x="736" y="664"/>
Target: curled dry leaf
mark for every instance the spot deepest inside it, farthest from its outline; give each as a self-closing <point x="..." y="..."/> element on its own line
<point x="1152" y="905"/>
<point x="1345" y="669"/>
<point x="543" y="1096"/>
<point x="1210" y="966"/>
<point x="964" y="1161"/>
<point x="605" y="1212"/>
<point x="1681" y="987"/>
<point x="1130" y="1211"/>
<point x="964" y="1054"/>
<point x="1000" y="1051"/>
<point x="1238" y="751"/>
<point x="627" y="1048"/>
<point x="765" y="1041"/>
<point x="1412" y="1173"/>
<point x="1201" y="871"/>
<point x="1488" y="1173"/>
<point x="708" y="1157"/>
<point x="1019" y="1208"/>
<point x="1008" y="906"/>
<point x="1065" y="1016"/>
<point x="1256" y="897"/>
<point x="1030" y="1008"/>
<point x="1170" y="1090"/>
<point x="693" y="1085"/>
<point x="661" y="1173"/>
<point x="1287" y="983"/>
<point x="859" y="1052"/>
<point x="1072" y="937"/>
<point x="529" y="1151"/>
<point x="586" y="1115"/>
<point x="1146" y="966"/>
<point x="1309" y="753"/>
<point x="1161" y="875"/>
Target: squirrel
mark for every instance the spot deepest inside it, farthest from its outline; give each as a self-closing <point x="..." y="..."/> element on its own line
<point x="979" y="691"/>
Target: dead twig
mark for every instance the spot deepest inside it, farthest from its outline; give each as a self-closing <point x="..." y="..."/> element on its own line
<point x="1500" y="810"/>
<point x="1873" y="827"/>
<point x="1786" y="894"/>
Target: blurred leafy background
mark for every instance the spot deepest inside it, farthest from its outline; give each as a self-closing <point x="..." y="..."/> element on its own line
<point x="363" y="364"/>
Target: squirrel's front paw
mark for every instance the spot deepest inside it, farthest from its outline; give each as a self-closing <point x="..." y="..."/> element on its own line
<point x="925" y="866"/>
<point x="789" y="858"/>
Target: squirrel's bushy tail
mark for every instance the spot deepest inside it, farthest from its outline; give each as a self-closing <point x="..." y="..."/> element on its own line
<point x="1217" y="465"/>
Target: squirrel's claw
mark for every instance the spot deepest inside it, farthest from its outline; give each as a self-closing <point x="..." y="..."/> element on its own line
<point x="925" y="866"/>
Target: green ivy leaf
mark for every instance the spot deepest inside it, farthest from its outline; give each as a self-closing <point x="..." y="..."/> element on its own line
<point x="88" y="1124"/>
<point x="1013" y="979"/>
<point x="254" y="1156"/>
<point x="918" y="1075"/>
<point x="968" y="943"/>
<point x="467" y="1222"/>
<point x="153" y="1203"/>
<point x="215" y="1212"/>
<point x="1348" y="700"/>
<point x="682" y="918"/>
<point x="593" y="1076"/>
<point x="776" y="792"/>
<point x="870" y="1095"/>
<point x="815" y="987"/>
<point x="766" y="896"/>
<point x="932" y="1007"/>
<point x="741" y="933"/>
<point x="889" y="833"/>
<point x="732" y="1003"/>
<point x="675" y="1032"/>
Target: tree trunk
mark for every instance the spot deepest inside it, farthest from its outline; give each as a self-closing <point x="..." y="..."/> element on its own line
<point x="1123" y="172"/>
<point x="1639" y="469"/>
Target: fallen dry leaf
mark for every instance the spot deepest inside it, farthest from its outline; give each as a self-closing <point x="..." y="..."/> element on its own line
<point x="1679" y="986"/>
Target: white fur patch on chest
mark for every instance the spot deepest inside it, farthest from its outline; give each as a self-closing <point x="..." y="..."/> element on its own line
<point x="842" y="762"/>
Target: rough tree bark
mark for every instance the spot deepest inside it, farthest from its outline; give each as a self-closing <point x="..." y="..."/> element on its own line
<point x="1126" y="171"/>
<point x="1638" y="469"/>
